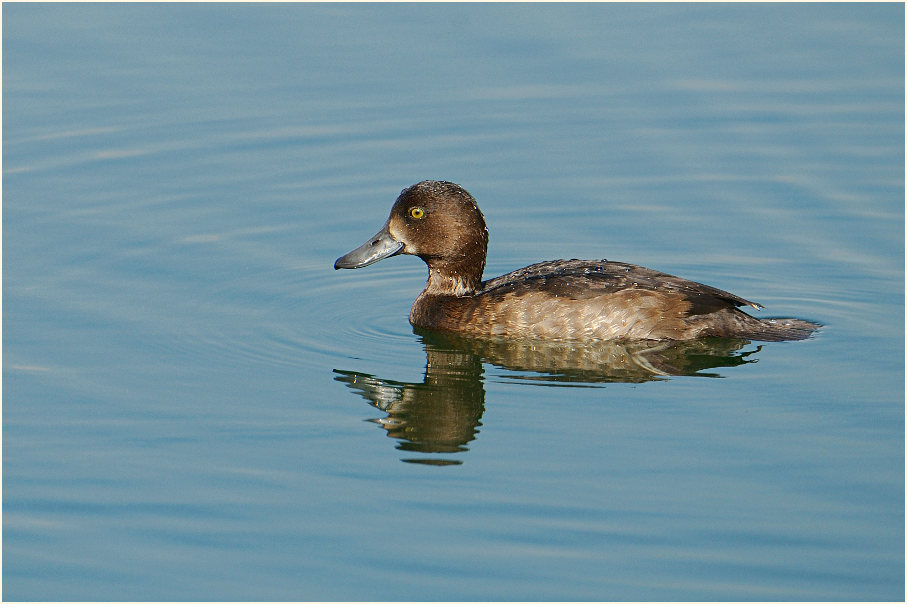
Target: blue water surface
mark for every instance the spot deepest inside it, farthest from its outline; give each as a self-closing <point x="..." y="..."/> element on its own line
<point x="196" y="406"/>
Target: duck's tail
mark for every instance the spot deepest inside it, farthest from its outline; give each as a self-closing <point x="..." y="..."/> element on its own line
<point x="779" y="330"/>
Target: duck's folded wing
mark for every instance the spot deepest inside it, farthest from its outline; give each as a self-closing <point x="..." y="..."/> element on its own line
<point x="586" y="279"/>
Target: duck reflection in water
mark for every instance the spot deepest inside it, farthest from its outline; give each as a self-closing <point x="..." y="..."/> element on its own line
<point x="443" y="413"/>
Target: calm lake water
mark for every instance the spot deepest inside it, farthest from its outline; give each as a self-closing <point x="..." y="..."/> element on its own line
<point x="196" y="406"/>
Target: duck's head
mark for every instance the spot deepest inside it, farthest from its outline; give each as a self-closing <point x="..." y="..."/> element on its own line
<point x="439" y="222"/>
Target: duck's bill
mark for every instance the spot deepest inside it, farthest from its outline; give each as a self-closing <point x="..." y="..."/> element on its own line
<point x="382" y="245"/>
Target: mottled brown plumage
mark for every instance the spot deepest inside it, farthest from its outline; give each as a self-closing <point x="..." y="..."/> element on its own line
<point x="560" y="299"/>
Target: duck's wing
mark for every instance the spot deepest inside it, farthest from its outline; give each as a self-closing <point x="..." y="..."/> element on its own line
<point x="585" y="279"/>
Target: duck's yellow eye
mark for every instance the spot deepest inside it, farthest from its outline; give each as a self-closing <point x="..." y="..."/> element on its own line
<point x="417" y="213"/>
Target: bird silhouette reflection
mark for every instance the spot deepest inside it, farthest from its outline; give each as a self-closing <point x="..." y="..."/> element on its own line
<point x="443" y="412"/>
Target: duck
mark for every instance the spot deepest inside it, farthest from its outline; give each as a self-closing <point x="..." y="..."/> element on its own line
<point x="586" y="300"/>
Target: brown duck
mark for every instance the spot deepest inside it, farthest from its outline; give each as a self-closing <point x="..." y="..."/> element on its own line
<point x="559" y="299"/>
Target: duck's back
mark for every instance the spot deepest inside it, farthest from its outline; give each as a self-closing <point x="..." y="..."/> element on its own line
<point x="598" y="299"/>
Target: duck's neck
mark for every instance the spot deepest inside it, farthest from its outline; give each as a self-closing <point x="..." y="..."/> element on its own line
<point x="448" y="281"/>
<point x="459" y="273"/>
